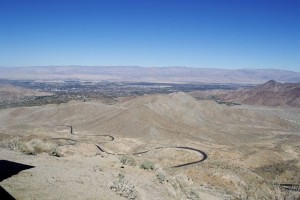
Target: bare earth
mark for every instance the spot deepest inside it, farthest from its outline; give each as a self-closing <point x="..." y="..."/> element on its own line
<point x="9" y="92"/>
<point x="250" y="150"/>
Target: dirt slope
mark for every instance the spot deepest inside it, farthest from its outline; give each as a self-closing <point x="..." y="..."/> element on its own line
<point x="9" y="91"/>
<point x="149" y="117"/>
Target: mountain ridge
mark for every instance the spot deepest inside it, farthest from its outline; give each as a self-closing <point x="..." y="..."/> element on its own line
<point x="271" y="93"/>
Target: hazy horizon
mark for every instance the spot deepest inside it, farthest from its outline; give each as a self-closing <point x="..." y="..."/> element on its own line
<point x="212" y="68"/>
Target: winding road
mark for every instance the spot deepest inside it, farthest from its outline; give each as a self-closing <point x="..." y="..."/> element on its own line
<point x="203" y="155"/>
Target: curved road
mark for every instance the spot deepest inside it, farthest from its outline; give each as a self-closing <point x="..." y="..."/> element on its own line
<point x="204" y="156"/>
<point x="72" y="133"/>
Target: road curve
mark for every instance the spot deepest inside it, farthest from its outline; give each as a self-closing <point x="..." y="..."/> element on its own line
<point x="204" y="156"/>
<point x="72" y="133"/>
<point x="71" y="128"/>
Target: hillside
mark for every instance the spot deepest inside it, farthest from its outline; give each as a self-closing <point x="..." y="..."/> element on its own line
<point x="92" y="150"/>
<point x="8" y="91"/>
<point x="149" y="74"/>
<point x="271" y="93"/>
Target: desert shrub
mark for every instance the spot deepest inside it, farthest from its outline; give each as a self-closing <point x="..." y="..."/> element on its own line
<point x="38" y="146"/>
<point x="124" y="188"/>
<point x="127" y="160"/>
<point x="193" y="195"/>
<point x="32" y="147"/>
<point x="54" y="152"/>
<point x="35" y="146"/>
<point x="161" y="177"/>
<point x="147" y="165"/>
<point x="14" y="144"/>
<point x="17" y="145"/>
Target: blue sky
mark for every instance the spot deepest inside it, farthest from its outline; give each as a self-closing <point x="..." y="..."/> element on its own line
<point x="192" y="33"/>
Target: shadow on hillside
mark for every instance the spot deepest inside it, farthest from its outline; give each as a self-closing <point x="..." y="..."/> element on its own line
<point x="5" y="195"/>
<point x="8" y="169"/>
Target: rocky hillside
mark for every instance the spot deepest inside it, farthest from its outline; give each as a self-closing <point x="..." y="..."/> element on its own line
<point x="271" y="93"/>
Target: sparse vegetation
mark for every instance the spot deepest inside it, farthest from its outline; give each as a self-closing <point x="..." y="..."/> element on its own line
<point x="148" y="165"/>
<point x="127" y="160"/>
<point x="161" y="177"/>
<point x="124" y="188"/>
<point x="227" y="103"/>
<point x="13" y="144"/>
<point x="35" y="146"/>
<point x="32" y="147"/>
<point x="55" y="152"/>
<point x="192" y="194"/>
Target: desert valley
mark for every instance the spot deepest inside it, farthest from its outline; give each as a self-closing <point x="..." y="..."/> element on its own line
<point x="149" y="140"/>
<point x="150" y="100"/>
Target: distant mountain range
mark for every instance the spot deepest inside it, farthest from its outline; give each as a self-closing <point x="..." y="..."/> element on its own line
<point x="271" y="93"/>
<point x="149" y="74"/>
